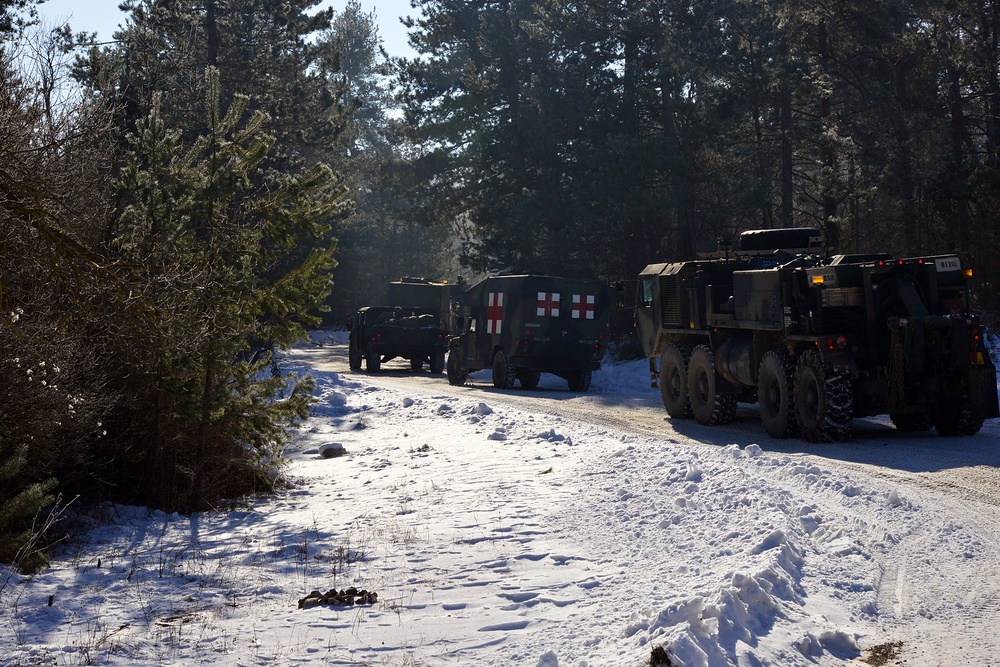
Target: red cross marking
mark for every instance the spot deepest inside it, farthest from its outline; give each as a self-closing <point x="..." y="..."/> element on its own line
<point x="548" y="304"/>
<point x="583" y="306"/>
<point x="494" y="314"/>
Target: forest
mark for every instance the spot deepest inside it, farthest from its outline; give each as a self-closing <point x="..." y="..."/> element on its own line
<point x="181" y="202"/>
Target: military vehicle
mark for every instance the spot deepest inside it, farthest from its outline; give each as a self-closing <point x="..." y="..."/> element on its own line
<point x="815" y="339"/>
<point x="422" y="293"/>
<point x="521" y="326"/>
<point x="413" y="327"/>
<point x="382" y="333"/>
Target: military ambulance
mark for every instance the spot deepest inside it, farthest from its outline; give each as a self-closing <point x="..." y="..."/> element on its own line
<point x="521" y="326"/>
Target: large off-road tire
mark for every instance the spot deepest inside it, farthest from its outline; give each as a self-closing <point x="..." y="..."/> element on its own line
<point x="437" y="362"/>
<point x="504" y="373"/>
<point x="579" y="381"/>
<point x="674" y="380"/>
<point x="912" y="422"/>
<point x="775" y="394"/>
<point x="708" y="405"/>
<point x="456" y="374"/>
<point x="824" y="400"/>
<point x="354" y="356"/>
<point x="416" y="364"/>
<point x="952" y="413"/>
<point x="373" y="360"/>
<point x="529" y="379"/>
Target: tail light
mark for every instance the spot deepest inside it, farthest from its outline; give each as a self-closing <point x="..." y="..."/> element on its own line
<point x="838" y="343"/>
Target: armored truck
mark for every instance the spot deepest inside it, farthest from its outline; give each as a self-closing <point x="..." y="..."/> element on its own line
<point x="383" y="333"/>
<point x="816" y="340"/>
<point x="521" y="326"/>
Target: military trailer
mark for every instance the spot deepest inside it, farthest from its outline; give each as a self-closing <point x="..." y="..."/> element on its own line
<point x="816" y="340"/>
<point x="521" y="326"/>
<point x="382" y="333"/>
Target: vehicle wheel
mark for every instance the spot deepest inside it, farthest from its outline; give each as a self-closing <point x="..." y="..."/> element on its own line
<point x="708" y="405"/>
<point x="579" y="381"/>
<point x="503" y="371"/>
<point x="912" y="422"/>
<point x="456" y="374"/>
<point x="824" y="402"/>
<point x="529" y="379"/>
<point x="952" y="415"/>
<point x="373" y="360"/>
<point x="353" y="355"/>
<point x="416" y="364"/>
<point x="437" y="362"/>
<point x="674" y="380"/>
<point x="775" y="392"/>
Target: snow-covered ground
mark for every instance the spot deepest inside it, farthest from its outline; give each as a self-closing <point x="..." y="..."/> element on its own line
<point x="544" y="529"/>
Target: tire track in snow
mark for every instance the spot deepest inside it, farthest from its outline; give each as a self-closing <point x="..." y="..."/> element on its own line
<point x="953" y="482"/>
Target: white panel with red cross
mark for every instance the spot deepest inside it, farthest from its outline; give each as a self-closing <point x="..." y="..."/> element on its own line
<point x="548" y="304"/>
<point x="583" y="306"/>
<point x="494" y="314"/>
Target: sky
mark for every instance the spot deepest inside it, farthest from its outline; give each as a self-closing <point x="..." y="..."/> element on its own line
<point x="103" y="17"/>
<point x="540" y="528"/>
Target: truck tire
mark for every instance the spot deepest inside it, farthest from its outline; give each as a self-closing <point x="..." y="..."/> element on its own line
<point x="529" y="379"/>
<point x="456" y="374"/>
<point x="373" y="360"/>
<point x="952" y="414"/>
<point x="708" y="405"/>
<point x="353" y="355"/>
<point x="437" y="362"/>
<point x="416" y="364"/>
<point x="824" y="401"/>
<point x="674" y="380"/>
<point x="503" y="371"/>
<point x="775" y="394"/>
<point x="579" y="381"/>
<point x="912" y="422"/>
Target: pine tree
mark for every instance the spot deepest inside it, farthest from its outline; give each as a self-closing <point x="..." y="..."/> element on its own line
<point x="20" y="513"/>
<point x="217" y="244"/>
<point x="381" y="242"/>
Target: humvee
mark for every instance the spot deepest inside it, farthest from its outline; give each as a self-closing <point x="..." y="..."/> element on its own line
<point x="521" y="326"/>
<point x="382" y="333"/>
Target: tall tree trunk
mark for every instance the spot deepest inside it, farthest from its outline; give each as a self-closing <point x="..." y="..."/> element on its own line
<point x="638" y="256"/>
<point x="904" y="161"/>
<point x="677" y="163"/>
<point x="960" y="144"/>
<point x="787" y="182"/>
<point x="991" y="30"/>
<point x="828" y="153"/>
<point x="212" y="33"/>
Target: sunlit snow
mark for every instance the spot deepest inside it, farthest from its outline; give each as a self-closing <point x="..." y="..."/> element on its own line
<point x="539" y="529"/>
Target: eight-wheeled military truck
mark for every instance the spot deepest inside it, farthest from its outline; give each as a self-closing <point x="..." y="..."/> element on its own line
<point x="382" y="333"/>
<point x="521" y="326"/>
<point x="815" y="339"/>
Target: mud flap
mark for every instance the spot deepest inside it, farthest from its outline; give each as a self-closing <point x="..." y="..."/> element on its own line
<point x="982" y="386"/>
